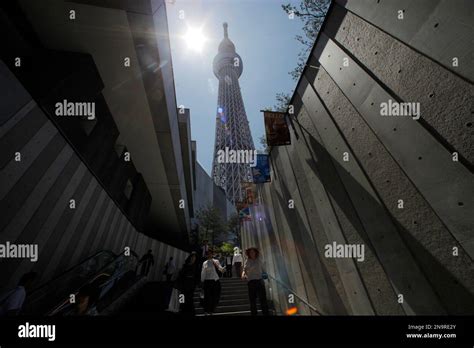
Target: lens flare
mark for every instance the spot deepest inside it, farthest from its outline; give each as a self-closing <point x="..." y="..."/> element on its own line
<point x="195" y="39"/>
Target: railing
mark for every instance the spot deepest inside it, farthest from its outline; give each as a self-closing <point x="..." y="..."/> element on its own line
<point x="105" y="269"/>
<point x="295" y="305"/>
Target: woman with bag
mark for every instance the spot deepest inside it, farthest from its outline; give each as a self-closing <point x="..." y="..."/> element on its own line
<point x="254" y="272"/>
<point x="211" y="284"/>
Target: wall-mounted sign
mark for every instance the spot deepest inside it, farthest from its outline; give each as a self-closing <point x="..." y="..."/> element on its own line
<point x="261" y="171"/>
<point x="276" y="128"/>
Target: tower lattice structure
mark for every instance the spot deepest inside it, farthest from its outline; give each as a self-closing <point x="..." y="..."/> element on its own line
<point x="232" y="126"/>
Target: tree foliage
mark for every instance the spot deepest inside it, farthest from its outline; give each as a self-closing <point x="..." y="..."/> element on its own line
<point x="211" y="223"/>
<point x="282" y="102"/>
<point x="234" y="222"/>
<point x="227" y="248"/>
<point x="233" y="225"/>
<point x="311" y="13"/>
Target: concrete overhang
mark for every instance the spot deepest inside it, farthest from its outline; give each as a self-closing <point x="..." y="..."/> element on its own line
<point x="140" y="97"/>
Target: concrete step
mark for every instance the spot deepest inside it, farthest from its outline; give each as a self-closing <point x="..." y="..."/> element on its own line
<point x="234" y="291"/>
<point x="233" y="298"/>
<point x="234" y="286"/>
<point x="228" y="297"/>
<point x="228" y="309"/>
<point x="231" y="283"/>
<point x="229" y="292"/>
<point x="232" y="301"/>
<point x="239" y="313"/>
<point x="232" y="280"/>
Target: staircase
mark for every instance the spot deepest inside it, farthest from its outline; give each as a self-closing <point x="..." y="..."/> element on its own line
<point x="234" y="299"/>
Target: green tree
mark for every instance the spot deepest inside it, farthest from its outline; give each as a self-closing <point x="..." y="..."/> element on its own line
<point x="312" y="14"/>
<point x="211" y="223"/>
<point x="233" y="225"/>
<point x="227" y="248"/>
<point x="282" y="102"/>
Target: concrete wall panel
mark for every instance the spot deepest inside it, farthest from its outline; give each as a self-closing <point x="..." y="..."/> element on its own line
<point x="402" y="71"/>
<point x="428" y="163"/>
<point x="440" y="29"/>
<point x="388" y="246"/>
<point x="423" y="249"/>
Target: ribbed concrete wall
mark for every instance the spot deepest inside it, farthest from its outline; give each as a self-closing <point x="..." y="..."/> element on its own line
<point x="348" y="166"/>
<point x="35" y="194"/>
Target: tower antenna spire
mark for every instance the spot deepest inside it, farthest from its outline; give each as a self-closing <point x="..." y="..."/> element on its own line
<point x="226" y="34"/>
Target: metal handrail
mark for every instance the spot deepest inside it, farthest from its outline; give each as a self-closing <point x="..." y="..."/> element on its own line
<point x="294" y="293"/>
<point x="49" y="281"/>
<point x="100" y="272"/>
<point x="114" y="258"/>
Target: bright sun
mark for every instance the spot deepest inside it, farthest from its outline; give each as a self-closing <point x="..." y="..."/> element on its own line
<point x="195" y="39"/>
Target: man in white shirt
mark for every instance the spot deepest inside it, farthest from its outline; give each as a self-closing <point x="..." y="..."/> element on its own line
<point x="12" y="301"/>
<point x="211" y="283"/>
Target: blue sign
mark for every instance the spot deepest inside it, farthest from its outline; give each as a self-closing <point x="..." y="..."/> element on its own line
<point x="261" y="171"/>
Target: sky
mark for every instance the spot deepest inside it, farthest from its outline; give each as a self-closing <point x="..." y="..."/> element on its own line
<point x="264" y="37"/>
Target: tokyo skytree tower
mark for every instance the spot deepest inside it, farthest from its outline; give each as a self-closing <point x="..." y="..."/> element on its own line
<point x="232" y="126"/>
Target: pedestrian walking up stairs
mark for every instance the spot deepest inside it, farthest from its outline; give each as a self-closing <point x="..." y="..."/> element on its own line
<point x="234" y="299"/>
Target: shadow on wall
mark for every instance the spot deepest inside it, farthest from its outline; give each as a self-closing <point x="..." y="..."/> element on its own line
<point x="305" y="245"/>
<point x="307" y="256"/>
<point x="455" y="298"/>
<point x="280" y="263"/>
